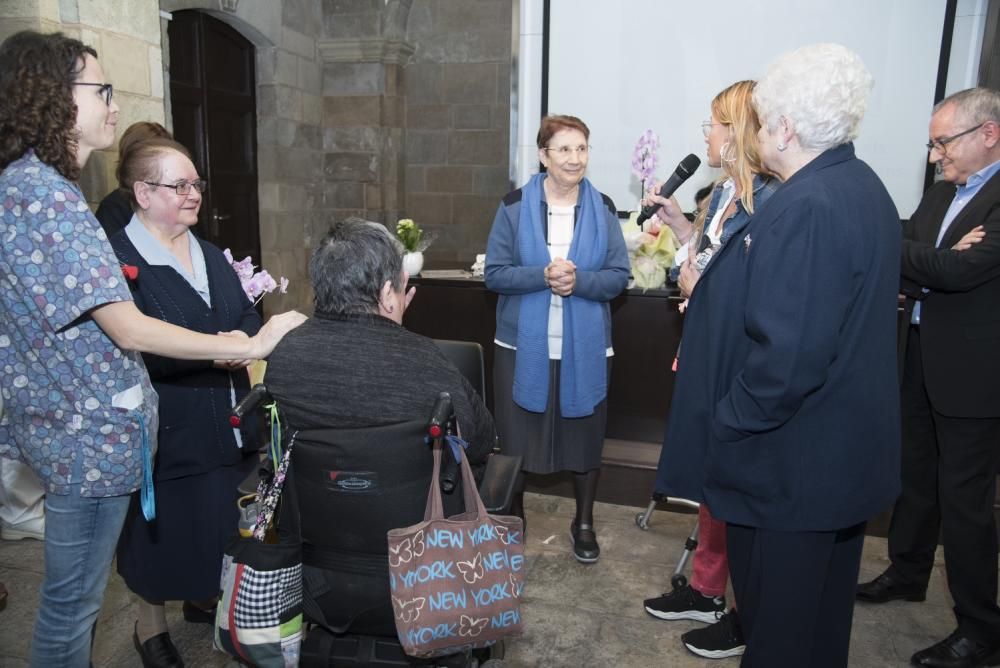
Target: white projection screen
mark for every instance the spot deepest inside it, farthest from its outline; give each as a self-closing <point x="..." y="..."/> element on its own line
<point x="629" y="65"/>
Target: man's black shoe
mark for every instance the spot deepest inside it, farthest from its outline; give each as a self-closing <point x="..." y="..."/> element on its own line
<point x="958" y="651"/>
<point x="158" y="652"/>
<point x="887" y="588"/>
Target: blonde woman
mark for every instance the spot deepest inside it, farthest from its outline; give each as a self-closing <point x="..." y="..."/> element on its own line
<point x="731" y="143"/>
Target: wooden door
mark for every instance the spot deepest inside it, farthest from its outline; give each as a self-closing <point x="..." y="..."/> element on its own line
<point x="212" y="94"/>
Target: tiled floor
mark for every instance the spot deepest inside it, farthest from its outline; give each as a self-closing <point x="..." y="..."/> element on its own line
<point x="575" y="615"/>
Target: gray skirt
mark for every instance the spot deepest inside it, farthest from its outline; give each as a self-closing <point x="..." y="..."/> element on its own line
<point x="547" y="441"/>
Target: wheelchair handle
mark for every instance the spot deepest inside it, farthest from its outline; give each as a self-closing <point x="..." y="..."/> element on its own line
<point x="257" y="395"/>
<point x="438" y="424"/>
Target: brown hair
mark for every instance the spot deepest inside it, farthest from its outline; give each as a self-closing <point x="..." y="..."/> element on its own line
<point x="135" y="133"/>
<point x="141" y="162"/>
<point x="553" y="124"/>
<point x="37" y="110"/>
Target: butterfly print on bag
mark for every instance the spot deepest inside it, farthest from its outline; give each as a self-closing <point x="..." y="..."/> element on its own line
<point x="408" y="611"/>
<point x="472" y="627"/>
<point x="472" y="570"/>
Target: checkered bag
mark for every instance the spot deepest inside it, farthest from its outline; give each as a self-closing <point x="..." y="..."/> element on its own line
<point x="259" y="616"/>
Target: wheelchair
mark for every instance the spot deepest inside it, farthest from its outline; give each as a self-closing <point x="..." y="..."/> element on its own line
<point x="345" y="489"/>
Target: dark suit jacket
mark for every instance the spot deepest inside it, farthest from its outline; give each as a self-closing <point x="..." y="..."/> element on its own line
<point x="195" y="400"/>
<point x="960" y="316"/>
<point x="785" y="413"/>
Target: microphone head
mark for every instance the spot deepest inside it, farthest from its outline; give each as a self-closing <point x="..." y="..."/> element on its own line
<point x="688" y="165"/>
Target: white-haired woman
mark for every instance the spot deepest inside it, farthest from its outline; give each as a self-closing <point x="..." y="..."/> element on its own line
<point x="799" y="380"/>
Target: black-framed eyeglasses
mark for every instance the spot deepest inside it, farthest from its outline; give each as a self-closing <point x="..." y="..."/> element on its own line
<point x="182" y="187"/>
<point x="940" y="144"/>
<point x="105" y="89"/>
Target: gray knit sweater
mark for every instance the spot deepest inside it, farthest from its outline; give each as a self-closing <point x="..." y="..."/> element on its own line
<point x="365" y="370"/>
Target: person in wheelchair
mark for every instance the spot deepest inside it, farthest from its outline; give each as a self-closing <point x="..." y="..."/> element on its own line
<point x="353" y="367"/>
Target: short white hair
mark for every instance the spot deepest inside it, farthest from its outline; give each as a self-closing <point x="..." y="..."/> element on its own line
<point x="822" y="89"/>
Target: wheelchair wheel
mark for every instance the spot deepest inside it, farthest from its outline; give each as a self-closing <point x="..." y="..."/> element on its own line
<point x="678" y="581"/>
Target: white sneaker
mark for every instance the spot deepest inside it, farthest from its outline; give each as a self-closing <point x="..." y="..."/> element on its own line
<point x="34" y="529"/>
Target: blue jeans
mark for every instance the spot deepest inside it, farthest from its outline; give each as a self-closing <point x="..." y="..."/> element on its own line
<point x="80" y="538"/>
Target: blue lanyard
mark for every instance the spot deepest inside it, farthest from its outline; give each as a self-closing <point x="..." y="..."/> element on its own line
<point x="147" y="497"/>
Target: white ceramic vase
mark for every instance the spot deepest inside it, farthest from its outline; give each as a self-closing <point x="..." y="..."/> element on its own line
<point x="413" y="263"/>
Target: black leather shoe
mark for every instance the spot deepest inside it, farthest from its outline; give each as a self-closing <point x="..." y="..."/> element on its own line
<point x="958" y="651"/>
<point x="158" y="652"/>
<point x="887" y="588"/>
<point x="584" y="540"/>
<point x="195" y="615"/>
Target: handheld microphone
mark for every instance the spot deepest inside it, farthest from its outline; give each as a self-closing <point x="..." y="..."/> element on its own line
<point x="684" y="170"/>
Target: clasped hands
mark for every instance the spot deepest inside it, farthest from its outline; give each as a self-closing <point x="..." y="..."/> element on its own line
<point x="560" y="276"/>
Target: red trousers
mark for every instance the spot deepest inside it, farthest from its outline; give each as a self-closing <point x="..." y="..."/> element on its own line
<point x="710" y="565"/>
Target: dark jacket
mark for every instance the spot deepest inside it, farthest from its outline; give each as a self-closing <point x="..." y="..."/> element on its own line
<point x="785" y="414"/>
<point x="959" y="320"/>
<point x="763" y="187"/>
<point x="195" y="400"/>
<point x="114" y="212"/>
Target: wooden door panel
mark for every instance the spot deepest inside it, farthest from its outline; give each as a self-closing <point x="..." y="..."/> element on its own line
<point x="214" y="106"/>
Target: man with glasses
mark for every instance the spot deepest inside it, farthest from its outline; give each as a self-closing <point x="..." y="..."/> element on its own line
<point x="950" y="384"/>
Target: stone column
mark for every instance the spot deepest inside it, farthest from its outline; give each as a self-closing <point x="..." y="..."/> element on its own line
<point x="363" y="112"/>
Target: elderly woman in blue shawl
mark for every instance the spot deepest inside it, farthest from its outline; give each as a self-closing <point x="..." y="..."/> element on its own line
<point x="556" y="257"/>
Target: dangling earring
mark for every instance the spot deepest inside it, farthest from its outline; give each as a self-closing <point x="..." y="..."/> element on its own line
<point x="727" y="153"/>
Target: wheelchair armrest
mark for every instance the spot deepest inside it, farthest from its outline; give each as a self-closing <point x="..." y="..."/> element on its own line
<point x="497" y="488"/>
<point x="263" y="470"/>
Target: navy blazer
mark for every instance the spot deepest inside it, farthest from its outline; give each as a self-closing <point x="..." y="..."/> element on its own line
<point x="195" y="397"/>
<point x="959" y="322"/>
<point x="785" y="413"/>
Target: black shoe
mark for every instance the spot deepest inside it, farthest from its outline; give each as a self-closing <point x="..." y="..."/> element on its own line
<point x="958" y="651"/>
<point x="686" y="603"/>
<point x="584" y="540"/>
<point x="195" y="615"/>
<point x="886" y="587"/>
<point x="158" y="651"/>
<point x="722" y="639"/>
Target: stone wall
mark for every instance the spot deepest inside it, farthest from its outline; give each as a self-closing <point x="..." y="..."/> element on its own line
<point x="457" y="89"/>
<point x="416" y="116"/>
<point x="379" y="108"/>
<point x="363" y="52"/>
<point x="126" y="37"/>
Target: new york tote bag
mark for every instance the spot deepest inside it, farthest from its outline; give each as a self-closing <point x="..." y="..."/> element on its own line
<point x="456" y="582"/>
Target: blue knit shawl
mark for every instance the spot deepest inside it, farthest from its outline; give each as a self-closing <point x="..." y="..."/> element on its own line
<point x="583" y="370"/>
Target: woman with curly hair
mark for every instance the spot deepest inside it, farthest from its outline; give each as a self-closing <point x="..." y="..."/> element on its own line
<point x="80" y="410"/>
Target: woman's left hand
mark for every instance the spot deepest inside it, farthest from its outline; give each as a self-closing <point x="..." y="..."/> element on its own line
<point x="561" y="277"/>
<point x="233" y="365"/>
<point x="688" y="278"/>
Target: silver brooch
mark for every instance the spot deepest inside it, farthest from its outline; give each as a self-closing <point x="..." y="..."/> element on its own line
<point x="746" y="243"/>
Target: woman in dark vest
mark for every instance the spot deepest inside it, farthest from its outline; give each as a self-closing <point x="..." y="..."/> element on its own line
<point x="201" y="459"/>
